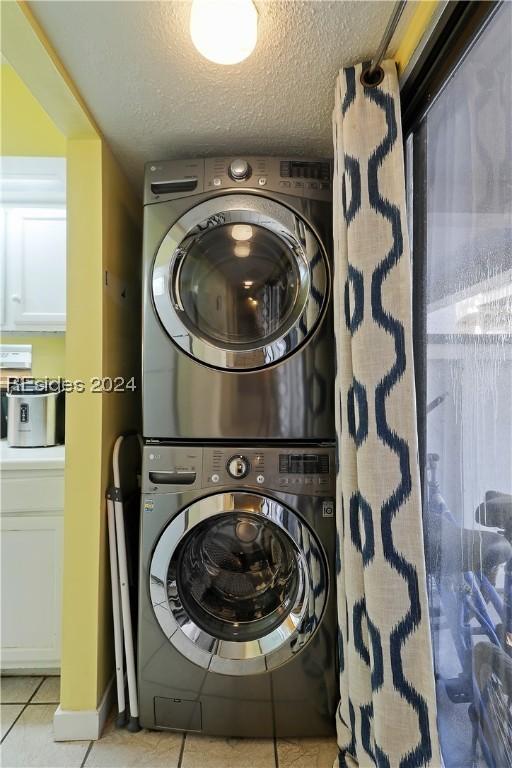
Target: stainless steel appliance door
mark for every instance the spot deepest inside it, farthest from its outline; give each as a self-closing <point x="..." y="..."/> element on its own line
<point x="240" y="281"/>
<point x="238" y="583"/>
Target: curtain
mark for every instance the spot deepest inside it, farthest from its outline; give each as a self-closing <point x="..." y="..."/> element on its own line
<point x="387" y="711"/>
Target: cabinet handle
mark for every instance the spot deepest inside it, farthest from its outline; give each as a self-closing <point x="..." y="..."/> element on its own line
<point x="16" y="298"/>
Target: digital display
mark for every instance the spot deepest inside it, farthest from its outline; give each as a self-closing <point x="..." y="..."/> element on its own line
<point x="297" y="169"/>
<point x="303" y="464"/>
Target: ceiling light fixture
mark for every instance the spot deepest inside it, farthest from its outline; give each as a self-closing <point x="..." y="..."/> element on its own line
<point x="224" y="31"/>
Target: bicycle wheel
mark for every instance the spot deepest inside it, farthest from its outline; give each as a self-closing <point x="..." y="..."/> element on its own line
<point x="493" y="676"/>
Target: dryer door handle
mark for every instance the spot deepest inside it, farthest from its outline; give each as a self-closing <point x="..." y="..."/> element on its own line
<point x="172" y="478"/>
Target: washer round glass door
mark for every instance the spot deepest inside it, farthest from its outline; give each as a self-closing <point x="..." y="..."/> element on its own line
<point x="240" y="281"/>
<point x="238" y="583"/>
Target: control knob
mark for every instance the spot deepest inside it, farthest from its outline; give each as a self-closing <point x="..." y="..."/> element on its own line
<point x="239" y="169"/>
<point x="238" y="467"/>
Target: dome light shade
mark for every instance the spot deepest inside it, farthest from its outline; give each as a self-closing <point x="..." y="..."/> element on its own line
<point x="224" y="31"/>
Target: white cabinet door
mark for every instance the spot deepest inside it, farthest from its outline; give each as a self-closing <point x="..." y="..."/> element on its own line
<point x="36" y="269"/>
<point x="31" y="591"/>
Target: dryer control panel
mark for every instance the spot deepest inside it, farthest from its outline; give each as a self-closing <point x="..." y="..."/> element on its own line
<point x="303" y="470"/>
<point x="299" y="177"/>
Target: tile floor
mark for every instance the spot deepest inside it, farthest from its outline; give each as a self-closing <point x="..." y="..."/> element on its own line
<point x="27" y="708"/>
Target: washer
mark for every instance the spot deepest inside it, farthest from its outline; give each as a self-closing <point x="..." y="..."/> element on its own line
<point x="237" y="626"/>
<point x="238" y="332"/>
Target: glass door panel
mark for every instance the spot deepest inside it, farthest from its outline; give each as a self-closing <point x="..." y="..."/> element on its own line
<point x="238" y="284"/>
<point x="237" y="576"/>
<point x="462" y="151"/>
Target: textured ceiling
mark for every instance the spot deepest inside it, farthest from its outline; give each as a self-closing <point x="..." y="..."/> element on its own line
<point x="155" y="97"/>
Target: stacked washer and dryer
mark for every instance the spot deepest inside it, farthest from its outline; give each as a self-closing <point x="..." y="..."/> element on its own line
<point x="237" y="618"/>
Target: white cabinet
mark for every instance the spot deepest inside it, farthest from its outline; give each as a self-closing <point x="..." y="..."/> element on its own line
<point x="32" y="520"/>
<point x="33" y="243"/>
<point x="31" y="591"/>
<point x="35" y="269"/>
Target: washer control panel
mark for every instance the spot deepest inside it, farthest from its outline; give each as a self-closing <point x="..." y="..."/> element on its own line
<point x="301" y="471"/>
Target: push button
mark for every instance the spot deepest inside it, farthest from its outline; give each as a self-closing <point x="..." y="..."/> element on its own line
<point x="328" y="509"/>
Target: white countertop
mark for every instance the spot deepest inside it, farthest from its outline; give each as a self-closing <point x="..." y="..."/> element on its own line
<point x="31" y="458"/>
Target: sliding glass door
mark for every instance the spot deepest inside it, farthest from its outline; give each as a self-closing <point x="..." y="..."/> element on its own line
<point x="460" y="190"/>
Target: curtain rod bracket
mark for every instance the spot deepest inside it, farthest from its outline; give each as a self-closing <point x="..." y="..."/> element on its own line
<point x="373" y="75"/>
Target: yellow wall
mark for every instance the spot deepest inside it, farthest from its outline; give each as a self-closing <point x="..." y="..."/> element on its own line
<point x="26" y="127"/>
<point x="102" y="338"/>
<point x="48" y="352"/>
<point x="83" y="493"/>
<point x="121" y="353"/>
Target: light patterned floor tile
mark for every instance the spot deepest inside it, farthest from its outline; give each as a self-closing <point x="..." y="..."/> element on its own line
<point x="49" y="692"/>
<point x="204" y="752"/>
<point x="306" y="753"/>
<point x="18" y="690"/>
<point x="118" y="748"/>
<point x="30" y="744"/>
<point x="9" y="713"/>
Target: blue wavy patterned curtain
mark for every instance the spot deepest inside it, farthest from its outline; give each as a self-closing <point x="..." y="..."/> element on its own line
<point x="387" y="709"/>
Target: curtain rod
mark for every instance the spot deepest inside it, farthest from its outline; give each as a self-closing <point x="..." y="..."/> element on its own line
<point x="374" y="74"/>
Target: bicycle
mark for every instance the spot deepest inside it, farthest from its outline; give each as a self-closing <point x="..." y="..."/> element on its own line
<point x="463" y="566"/>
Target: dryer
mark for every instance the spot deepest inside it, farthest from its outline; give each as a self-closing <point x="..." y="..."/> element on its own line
<point x="237" y="616"/>
<point x="237" y="322"/>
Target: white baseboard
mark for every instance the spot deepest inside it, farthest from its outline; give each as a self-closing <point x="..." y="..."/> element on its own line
<point x="83" y="724"/>
<point x="17" y="669"/>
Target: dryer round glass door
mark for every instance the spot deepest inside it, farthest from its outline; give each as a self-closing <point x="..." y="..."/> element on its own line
<point x="240" y="281"/>
<point x="238" y="583"/>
